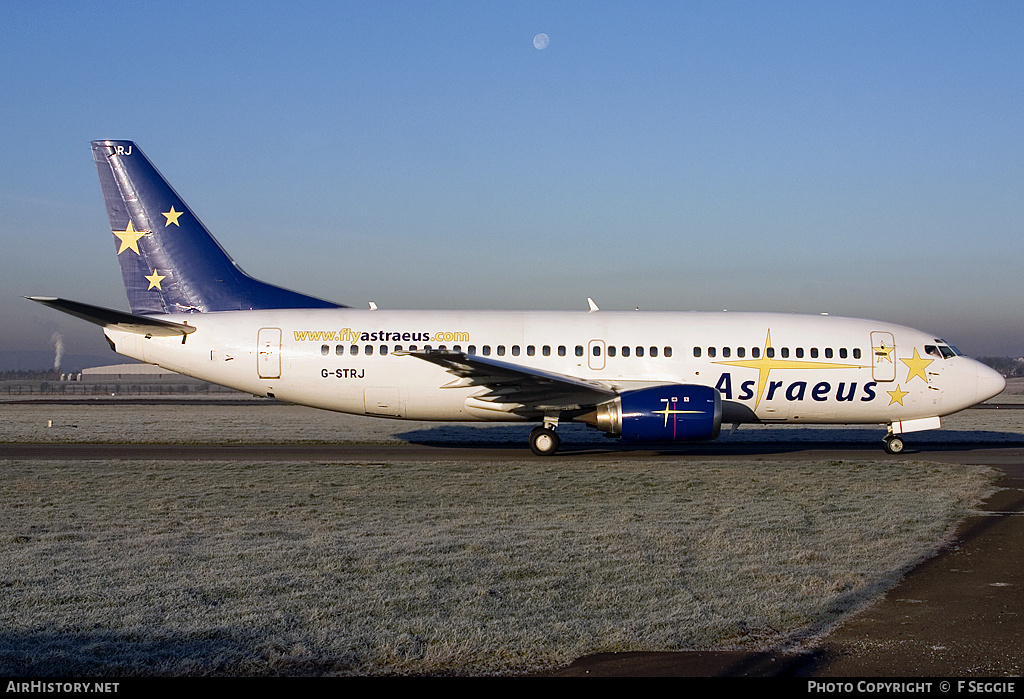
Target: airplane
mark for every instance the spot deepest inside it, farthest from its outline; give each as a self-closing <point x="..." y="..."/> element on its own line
<point x="642" y="377"/>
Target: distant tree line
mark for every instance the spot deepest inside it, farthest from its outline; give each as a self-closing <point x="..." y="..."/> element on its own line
<point x="1007" y="366"/>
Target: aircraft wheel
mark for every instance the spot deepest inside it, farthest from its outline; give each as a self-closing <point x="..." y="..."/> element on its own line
<point x="894" y="445"/>
<point x="544" y="441"/>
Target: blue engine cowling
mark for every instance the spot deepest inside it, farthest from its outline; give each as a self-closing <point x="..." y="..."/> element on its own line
<point x="672" y="413"/>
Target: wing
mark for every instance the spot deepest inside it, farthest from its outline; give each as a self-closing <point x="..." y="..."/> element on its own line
<point x="534" y="389"/>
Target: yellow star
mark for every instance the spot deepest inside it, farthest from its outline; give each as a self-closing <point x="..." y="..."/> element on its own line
<point x="916" y="366"/>
<point x="897" y="395"/>
<point x="154" y="280"/>
<point x="129" y="238"/>
<point x="883" y="353"/>
<point x="666" y="412"/>
<point x="172" y="217"/>
<point x="765" y="364"/>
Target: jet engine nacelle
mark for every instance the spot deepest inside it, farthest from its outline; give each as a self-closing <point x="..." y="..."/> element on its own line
<point x="672" y="413"/>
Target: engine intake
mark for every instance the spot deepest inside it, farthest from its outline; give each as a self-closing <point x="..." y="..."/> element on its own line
<point x="672" y="413"/>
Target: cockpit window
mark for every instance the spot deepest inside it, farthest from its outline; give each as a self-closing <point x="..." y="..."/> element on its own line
<point x="942" y="351"/>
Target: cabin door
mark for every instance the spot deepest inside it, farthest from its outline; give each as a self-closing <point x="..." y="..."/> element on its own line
<point x="883" y="356"/>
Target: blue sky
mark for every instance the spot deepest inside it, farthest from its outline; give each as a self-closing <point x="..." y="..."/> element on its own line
<point x="856" y="158"/>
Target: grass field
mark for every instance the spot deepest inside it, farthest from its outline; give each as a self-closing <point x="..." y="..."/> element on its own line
<point x="262" y="568"/>
<point x="504" y="566"/>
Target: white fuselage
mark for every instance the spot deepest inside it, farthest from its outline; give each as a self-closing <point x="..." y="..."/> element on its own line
<point x="768" y="367"/>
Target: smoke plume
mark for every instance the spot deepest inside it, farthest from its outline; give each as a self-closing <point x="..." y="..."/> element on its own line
<point x="58" y="347"/>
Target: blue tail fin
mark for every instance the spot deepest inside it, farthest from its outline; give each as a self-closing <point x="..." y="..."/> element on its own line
<point x="169" y="261"/>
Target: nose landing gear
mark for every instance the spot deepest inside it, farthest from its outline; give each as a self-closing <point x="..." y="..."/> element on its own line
<point x="893" y="444"/>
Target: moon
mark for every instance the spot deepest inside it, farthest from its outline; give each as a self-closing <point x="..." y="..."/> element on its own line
<point x="541" y="41"/>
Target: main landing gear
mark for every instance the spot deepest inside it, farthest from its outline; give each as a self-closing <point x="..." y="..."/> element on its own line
<point x="544" y="440"/>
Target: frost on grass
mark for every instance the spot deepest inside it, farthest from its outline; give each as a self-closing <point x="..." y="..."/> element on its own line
<point x="171" y="568"/>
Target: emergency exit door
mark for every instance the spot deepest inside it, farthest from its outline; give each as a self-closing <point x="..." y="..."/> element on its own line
<point x="268" y="356"/>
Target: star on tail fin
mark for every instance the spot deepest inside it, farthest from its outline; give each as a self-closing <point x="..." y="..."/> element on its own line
<point x="169" y="260"/>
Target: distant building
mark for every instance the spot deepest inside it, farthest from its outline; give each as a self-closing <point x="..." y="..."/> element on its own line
<point x="144" y="378"/>
<point x="134" y="373"/>
<point x="114" y="379"/>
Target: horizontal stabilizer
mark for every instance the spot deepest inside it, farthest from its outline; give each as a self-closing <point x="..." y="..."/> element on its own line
<point x="109" y="318"/>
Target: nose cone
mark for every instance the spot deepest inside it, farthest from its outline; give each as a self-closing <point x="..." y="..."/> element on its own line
<point x="990" y="383"/>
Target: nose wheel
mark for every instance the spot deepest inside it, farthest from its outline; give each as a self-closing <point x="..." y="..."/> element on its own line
<point x="893" y="444"/>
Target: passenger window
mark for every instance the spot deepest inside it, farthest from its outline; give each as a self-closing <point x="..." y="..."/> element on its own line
<point x="501" y="350"/>
<point x="597" y="350"/>
<point x="785" y="352"/>
<point x="856" y="352"/>
<point x="843" y="353"/>
<point x="712" y="352"/>
<point x="741" y="352"/>
<point x="515" y="350"/>
<point x="546" y="350"/>
<point x="755" y="352"/>
<point x="579" y="350"/>
<point x="325" y="350"/>
<point x="799" y="352"/>
<point x="339" y="350"/>
<point x="471" y="349"/>
<point x="354" y="350"/>
<point x="487" y="350"/>
<point x="383" y="349"/>
<point x="814" y="353"/>
<point x="668" y="351"/>
<point x="561" y="350"/>
<point x="611" y="350"/>
<point x="769" y="352"/>
<point x="828" y="353"/>
<point x="653" y="351"/>
<point x="696" y="351"/>
<point x="368" y="349"/>
<point x="530" y="350"/>
<point x="639" y="351"/>
<point x="726" y="352"/>
<point x="625" y="351"/>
